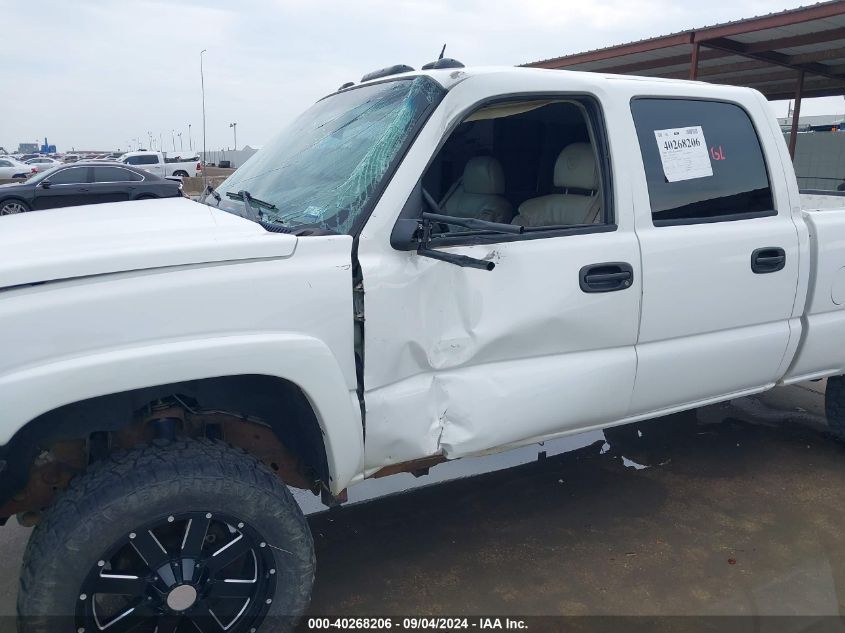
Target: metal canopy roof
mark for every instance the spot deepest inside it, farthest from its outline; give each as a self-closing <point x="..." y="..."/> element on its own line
<point x="769" y="53"/>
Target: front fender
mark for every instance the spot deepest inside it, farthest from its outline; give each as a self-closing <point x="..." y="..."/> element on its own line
<point x="305" y="361"/>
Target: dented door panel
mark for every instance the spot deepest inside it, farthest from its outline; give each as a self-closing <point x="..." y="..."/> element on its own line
<point x="461" y="361"/>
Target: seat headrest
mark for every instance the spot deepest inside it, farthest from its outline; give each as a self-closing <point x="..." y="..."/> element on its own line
<point x="575" y="167"/>
<point x="484" y="174"/>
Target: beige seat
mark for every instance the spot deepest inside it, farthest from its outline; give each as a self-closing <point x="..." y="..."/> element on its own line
<point x="478" y="193"/>
<point x="575" y="168"/>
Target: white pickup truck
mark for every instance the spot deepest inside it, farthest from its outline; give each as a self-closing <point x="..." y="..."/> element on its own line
<point x="424" y="266"/>
<point x="162" y="164"/>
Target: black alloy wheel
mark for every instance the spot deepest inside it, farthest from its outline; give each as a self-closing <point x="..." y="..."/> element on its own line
<point x="195" y="571"/>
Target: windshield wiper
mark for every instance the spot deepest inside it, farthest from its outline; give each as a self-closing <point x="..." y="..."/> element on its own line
<point x="249" y="201"/>
<point x="211" y="191"/>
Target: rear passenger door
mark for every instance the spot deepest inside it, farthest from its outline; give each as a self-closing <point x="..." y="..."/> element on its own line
<point x="719" y="255"/>
<point x="113" y="184"/>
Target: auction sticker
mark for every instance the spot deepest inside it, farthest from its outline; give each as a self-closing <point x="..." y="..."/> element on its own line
<point x="683" y="152"/>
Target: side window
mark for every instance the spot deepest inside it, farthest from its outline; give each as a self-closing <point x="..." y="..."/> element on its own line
<point x="5" y="163"/>
<point x="143" y="159"/>
<point x="114" y="174"/>
<point x="72" y="176"/>
<point x="703" y="161"/>
<point x="533" y="163"/>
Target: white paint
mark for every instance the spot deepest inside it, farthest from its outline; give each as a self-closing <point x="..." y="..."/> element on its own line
<point x="457" y="361"/>
<point x="281" y="315"/>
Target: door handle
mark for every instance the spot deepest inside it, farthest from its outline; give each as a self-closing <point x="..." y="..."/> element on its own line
<point x="606" y="277"/>
<point x="85" y="190"/>
<point x="768" y="259"/>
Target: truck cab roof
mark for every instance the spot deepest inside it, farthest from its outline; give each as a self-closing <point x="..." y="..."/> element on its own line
<point x="545" y="79"/>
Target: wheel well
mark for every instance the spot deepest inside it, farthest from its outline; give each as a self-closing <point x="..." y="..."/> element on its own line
<point x="268" y="416"/>
<point x="18" y="198"/>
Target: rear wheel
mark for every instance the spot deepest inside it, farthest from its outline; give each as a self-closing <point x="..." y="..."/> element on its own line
<point x="10" y="207"/>
<point x="834" y="404"/>
<point x="181" y="173"/>
<point x="172" y="537"/>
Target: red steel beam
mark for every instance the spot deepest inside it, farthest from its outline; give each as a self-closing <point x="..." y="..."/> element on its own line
<point x="816" y="12"/>
<point x="772" y="57"/>
<point x="693" y="62"/>
<point x="817" y="56"/>
<point x="794" y="41"/>
<point x="675" y="60"/>
<point x="615" y="51"/>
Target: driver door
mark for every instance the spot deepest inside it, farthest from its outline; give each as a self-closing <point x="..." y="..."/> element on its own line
<point x="67" y="187"/>
<point x="459" y="361"/>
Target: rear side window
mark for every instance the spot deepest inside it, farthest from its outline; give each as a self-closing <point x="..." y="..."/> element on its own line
<point x="703" y="161"/>
<point x="114" y="174"/>
<point x="147" y="159"/>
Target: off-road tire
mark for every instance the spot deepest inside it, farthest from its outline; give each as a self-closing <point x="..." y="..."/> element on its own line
<point x="130" y="489"/>
<point x="834" y="405"/>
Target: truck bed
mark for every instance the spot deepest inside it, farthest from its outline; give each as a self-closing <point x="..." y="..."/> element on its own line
<point x="821" y="351"/>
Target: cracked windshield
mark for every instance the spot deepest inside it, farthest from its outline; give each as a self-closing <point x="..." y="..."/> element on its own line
<point x="323" y="169"/>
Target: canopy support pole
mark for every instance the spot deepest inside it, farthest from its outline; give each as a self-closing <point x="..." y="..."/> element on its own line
<point x="796" y="111"/>
<point x="693" y="64"/>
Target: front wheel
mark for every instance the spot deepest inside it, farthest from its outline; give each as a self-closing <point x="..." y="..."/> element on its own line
<point x="175" y="536"/>
<point x="11" y="207"/>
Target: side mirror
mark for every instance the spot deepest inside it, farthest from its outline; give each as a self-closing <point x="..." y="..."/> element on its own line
<point x="45" y="184"/>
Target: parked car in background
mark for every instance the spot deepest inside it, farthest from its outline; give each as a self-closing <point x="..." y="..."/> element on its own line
<point x="84" y="183"/>
<point x="13" y="168"/>
<point x="43" y="163"/>
<point x="70" y="158"/>
<point x="161" y="164"/>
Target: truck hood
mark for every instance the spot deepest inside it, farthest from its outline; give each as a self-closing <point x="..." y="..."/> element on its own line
<point x="107" y="238"/>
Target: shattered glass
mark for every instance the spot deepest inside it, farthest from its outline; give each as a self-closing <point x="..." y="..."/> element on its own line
<point x="323" y="169"/>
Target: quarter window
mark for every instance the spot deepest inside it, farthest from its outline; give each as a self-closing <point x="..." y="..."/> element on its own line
<point x="114" y="174"/>
<point x="703" y="161"/>
<point x="147" y="159"/>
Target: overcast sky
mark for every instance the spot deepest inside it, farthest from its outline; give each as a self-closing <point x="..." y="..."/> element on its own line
<point x="93" y="74"/>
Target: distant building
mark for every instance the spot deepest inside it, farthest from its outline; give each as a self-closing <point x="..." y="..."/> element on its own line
<point x="27" y="148"/>
<point x="815" y="123"/>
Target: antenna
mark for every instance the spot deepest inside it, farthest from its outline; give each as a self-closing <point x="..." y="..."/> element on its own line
<point x="442" y="50"/>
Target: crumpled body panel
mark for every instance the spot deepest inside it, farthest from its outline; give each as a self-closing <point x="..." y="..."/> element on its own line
<point x="461" y="361"/>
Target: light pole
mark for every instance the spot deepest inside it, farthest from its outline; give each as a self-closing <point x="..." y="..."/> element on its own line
<point x="234" y="127"/>
<point x="173" y="139"/>
<point x="181" y="147"/>
<point x="150" y="134"/>
<point x="202" y="85"/>
<point x="190" y="139"/>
